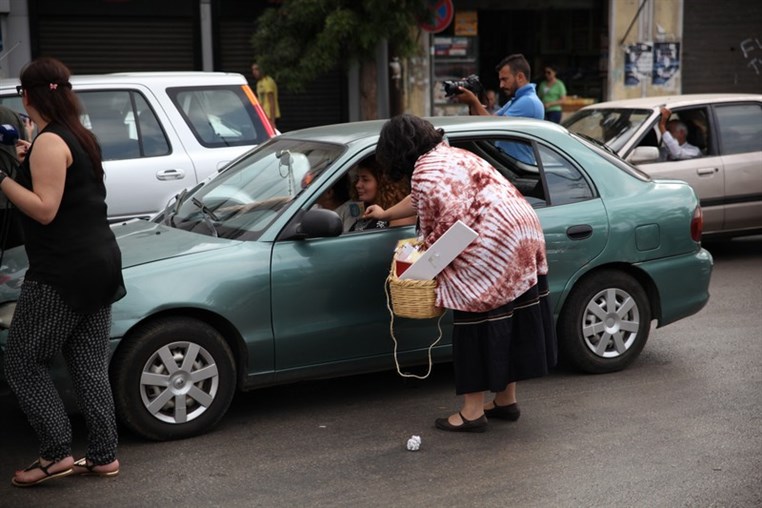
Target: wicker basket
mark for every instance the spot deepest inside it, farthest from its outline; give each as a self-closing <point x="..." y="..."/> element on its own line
<point x="415" y="299"/>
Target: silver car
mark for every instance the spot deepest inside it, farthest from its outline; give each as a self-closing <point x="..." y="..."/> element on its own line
<point x="726" y="128"/>
<point x="161" y="132"/>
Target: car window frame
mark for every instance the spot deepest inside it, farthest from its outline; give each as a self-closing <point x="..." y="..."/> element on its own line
<point x="133" y="106"/>
<point x="711" y="139"/>
<point x="535" y="144"/>
<point x="716" y="127"/>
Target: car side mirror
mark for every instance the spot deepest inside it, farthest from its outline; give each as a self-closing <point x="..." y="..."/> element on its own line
<point x="313" y="223"/>
<point x="643" y="154"/>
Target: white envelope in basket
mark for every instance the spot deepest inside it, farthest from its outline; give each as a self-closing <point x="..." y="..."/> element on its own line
<point x="441" y="253"/>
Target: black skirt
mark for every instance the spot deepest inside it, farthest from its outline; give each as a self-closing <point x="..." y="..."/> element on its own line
<point x="513" y="342"/>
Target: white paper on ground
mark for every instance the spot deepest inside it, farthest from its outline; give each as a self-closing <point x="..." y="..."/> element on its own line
<point x="441" y="253"/>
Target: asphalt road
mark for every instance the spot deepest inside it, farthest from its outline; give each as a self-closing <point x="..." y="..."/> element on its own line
<point x="681" y="427"/>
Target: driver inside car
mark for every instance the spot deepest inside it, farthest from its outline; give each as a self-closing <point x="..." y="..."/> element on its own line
<point x="674" y="138"/>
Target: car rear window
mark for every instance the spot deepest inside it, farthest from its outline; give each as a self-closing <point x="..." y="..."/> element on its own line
<point x="220" y="115"/>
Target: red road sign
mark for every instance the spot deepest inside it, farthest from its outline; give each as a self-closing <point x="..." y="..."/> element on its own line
<point x="442" y="12"/>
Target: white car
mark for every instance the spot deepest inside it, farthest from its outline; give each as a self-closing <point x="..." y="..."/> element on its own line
<point x="161" y="132"/>
<point x="726" y="128"/>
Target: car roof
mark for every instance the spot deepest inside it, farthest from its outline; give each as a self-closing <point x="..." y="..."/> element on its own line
<point x="347" y="133"/>
<point x="166" y="78"/>
<point x="675" y="100"/>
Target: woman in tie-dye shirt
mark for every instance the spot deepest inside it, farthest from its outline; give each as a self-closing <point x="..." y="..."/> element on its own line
<point x="497" y="287"/>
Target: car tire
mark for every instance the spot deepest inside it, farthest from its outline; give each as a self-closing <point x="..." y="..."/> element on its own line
<point x="172" y="378"/>
<point x="605" y="323"/>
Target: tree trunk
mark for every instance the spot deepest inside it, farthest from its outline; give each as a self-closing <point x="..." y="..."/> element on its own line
<point x="368" y="90"/>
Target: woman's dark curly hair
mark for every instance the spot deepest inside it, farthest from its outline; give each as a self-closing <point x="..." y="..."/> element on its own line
<point x="403" y="139"/>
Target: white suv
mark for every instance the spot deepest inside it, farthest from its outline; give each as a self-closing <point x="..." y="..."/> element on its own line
<point x="161" y="132"/>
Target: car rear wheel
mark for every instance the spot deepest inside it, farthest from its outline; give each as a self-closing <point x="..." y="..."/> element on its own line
<point x="173" y="378"/>
<point x="605" y="322"/>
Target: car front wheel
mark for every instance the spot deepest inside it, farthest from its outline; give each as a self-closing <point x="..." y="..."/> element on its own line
<point x="605" y="323"/>
<point x="173" y="378"/>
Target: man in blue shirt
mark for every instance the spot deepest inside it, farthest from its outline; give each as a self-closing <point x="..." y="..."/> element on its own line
<point x="513" y="72"/>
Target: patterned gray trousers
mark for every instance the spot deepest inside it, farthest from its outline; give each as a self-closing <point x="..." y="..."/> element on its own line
<point x="43" y="324"/>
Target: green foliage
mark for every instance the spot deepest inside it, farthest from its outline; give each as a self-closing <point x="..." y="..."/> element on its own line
<point x="302" y="39"/>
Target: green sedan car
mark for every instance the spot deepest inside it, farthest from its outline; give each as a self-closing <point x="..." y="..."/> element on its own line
<point x="245" y="281"/>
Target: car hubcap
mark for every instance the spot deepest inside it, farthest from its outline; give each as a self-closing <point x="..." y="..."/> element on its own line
<point x="179" y="382"/>
<point x="610" y="323"/>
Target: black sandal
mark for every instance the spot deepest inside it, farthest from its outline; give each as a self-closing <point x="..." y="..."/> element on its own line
<point x="48" y="475"/>
<point x="90" y="469"/>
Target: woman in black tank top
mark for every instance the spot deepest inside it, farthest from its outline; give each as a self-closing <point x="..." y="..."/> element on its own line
<point x="74" y="276"/>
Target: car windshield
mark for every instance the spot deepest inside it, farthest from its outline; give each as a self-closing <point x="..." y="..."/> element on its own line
<point x="613" y="127"/>
<point x="249" y="194"/>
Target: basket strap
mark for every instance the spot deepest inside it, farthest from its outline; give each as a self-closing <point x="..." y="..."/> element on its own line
<point x="391" y="332"/>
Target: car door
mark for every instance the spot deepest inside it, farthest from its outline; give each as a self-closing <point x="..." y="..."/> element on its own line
<point x="739" y="128"/>
<point x="143" y="158"/>
<point x="330" y="303"/>
<point x="574" y="221"/>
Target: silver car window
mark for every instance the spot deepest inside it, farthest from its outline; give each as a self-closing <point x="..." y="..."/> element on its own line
<point x="740" y="128"/>
<point x="109" y="114"/>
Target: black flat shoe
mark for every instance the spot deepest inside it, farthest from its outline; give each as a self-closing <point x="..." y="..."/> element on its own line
<point x="510" y="412"/>
<point x="478" y="425"/>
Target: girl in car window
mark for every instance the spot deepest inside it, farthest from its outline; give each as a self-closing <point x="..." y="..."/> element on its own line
<point x="374" y="187"/>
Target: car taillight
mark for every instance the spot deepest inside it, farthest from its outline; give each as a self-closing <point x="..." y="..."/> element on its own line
<point x="697" y="224"/>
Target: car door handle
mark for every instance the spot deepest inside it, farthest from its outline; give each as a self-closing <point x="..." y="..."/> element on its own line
<point x="579" y="232"/>
<point x="170" y="174"/>
<point x="707" y="171"/>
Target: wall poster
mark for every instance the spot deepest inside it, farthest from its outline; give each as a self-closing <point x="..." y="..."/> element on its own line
<point x="666" y="63"/>
<point x="638" y="63"/>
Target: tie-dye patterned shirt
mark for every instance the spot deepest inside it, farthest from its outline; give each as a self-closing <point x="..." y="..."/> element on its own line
<point x="451" y="184"/>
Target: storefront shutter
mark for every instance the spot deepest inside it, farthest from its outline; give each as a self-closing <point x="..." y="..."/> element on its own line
<point x="715" y="36"/>
<point x="98" y="45"/>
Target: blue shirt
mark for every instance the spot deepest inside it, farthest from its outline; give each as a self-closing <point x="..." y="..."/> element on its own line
<point x="525" y="103"/>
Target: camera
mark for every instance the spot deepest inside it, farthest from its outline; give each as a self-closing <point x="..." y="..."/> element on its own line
<point x="471" y="83"/>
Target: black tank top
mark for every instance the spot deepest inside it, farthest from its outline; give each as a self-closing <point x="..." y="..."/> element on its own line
<point x="76" y="253"/>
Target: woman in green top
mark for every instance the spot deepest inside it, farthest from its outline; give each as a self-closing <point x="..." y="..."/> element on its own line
<point x="552" y="92"/>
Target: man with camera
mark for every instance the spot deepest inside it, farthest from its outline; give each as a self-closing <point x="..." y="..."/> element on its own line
<point x="513" y="72"/>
